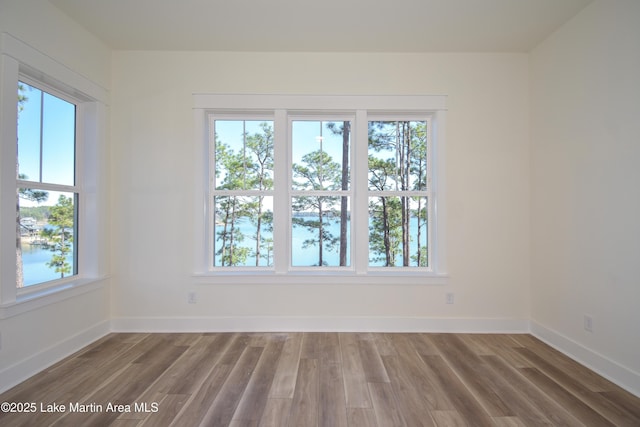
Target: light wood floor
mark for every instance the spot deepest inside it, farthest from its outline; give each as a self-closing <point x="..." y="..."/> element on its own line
<point x="320" y="379"/>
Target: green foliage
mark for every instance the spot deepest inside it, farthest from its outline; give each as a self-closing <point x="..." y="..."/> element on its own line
<point x="228" y="212"/>
<point x="39" y="213"/>
<point x="250" y="169"/>
<point x="31" y="194"/>
<point x="385" y="232"/>
<point x="397" y="162"/>
<point x="61" y="217"/>
<point x="318" y="171"/>
<point x="22" y="97"/>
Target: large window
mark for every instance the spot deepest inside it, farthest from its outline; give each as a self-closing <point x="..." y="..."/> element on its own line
<point x="47" y="195"/>
<point x="399" y="181"/>
<point x="242" y="192"/>
<point x="340" y="186"/>
<point x="320" y="193"/>
<point x="53" y="198"/>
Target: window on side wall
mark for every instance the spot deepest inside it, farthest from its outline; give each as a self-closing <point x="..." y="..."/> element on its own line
<point x="47" y="192"/>
<point x="53" y="203"/>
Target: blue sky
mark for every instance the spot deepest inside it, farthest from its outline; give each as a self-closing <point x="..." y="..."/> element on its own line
<point x="46" y="138"/>
<point x="306" y="136"/>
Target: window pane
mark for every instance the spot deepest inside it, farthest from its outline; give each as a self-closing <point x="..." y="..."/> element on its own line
<point x="243" y="230"/>
<point x="397" y="155"/>
<point x="243" y="155"/>
<point x="320" y="155"/>
<point x="46" y="137"/>
<point x="29" y="125"/>
<point x="398" y="232"/>
<point x="58" y="140"/>
<point x="47" y="224"/>
<point x="320" y="233"/>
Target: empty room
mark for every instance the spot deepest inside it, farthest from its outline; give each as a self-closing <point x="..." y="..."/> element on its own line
<point x="336" y="213"/>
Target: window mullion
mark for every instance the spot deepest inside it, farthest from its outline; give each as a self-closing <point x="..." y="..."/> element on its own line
<point x="360" y="189"/>
<point x="281" y="185"/>
<point x="40" y="159"/>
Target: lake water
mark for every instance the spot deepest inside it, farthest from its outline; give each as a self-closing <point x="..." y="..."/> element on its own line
<point x="35" y="258"/>
<point x="303" y="257"/>
<point x="34" y="264"/>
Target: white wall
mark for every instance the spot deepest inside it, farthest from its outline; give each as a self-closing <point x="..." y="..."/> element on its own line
<point x="53" y="33"/>
<point x="585" y="201"/>
<point x="36" y="338"/>
<point x="542" y="221"/>
<point x="152" y="198"/>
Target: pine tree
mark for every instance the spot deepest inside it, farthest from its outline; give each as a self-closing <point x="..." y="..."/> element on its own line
<point x="25" y="194"/>
<point x="260" y="148"/>
<point x="61" y="216"/>
<point x="317" y="172"/>
<point x="230" y="208"/>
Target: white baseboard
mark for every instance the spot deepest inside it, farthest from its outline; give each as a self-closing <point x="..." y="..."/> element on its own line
<point x="318" y="324"/>
<point x="15" y="374"/>
<point x="611" y="370"/>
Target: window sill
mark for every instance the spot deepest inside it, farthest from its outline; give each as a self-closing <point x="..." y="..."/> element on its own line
<point x="326" y="278"/>
<point x="36" y="299"/>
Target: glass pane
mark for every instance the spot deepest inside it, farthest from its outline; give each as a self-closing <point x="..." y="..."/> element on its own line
<point x="243" y="155"/>
<point x="243" y="230"/>
<point x="47" y="224"/>
<point x="398" y="232"/>
<point x="320" y="155"/>
<point x="397" y="155"/>
<point x="46" y="137"/>
<point x="29" y="114"/>
<point x="320" y="233"/>
<point x="58" y="140"/>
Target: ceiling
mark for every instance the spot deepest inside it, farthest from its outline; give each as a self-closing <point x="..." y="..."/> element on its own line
<point x="323" y="25"/>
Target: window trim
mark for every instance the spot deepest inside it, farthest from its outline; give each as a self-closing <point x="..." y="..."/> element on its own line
<point x="249" y="116"/>
<point x="289" y="193"/>
<point x="429" y="193"/>
<point x="76" y="188"/>
<point x="285" y="107"/>
<point x="19" y="61"/>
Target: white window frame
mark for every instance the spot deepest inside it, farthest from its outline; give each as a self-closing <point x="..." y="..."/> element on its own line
<point x="212" y="181"/>
<point x="328" y="116"/>
<point x="21" y="62"/>
<point x="409" y="193"/>
<point x="74" y="188"/>
<point x="284" y="109"/>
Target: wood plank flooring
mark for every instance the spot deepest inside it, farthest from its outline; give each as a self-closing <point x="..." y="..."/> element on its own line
<point x="319" y="379"/>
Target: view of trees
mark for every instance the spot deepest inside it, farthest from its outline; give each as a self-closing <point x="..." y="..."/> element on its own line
<point x="34" y="196"/>
<point x="61" y="217"/>
<point x="320" y="213"/>
<point x="56" y="229"/>
<point x="317" y="171"/>
<point x="398" y="164"/>
<point x="244" y="162"/>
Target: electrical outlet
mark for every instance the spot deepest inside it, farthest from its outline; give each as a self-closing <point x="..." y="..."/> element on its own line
<point x="588" y="323"/>
<point x="191" y="299"/>
<point x="449" y="298"/>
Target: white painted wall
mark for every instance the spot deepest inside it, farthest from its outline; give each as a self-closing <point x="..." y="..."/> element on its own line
<point x="53" y="33"/>
<point x="34" y="339"/>
<point x="543" y="203"/>
<point x="585" y="201"/>
<point x="152" y="199"/>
